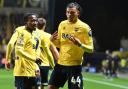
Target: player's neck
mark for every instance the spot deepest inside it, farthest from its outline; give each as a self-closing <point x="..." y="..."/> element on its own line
<point x="73" y="21"/>
<point x="30" y="29"/>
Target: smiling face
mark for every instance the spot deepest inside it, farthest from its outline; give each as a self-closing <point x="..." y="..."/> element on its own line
<point x="32" y="22"/>
<point x="72" y="14"/>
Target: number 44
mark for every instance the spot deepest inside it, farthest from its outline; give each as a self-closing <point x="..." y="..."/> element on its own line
<point x="77" y="80"/>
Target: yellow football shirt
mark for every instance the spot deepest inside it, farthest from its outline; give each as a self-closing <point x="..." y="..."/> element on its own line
<point x="45" y="53"/>
<point x="71" y="54"/>
<point x="25" y="52"/>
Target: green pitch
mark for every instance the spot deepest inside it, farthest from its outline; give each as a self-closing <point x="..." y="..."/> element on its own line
<point x="91" y="81"/>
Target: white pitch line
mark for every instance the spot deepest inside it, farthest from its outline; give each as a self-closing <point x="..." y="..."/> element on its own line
<point x="106" y="83"/>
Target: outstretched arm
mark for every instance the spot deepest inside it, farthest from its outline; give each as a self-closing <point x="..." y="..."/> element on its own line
<point x="10" y="47"/>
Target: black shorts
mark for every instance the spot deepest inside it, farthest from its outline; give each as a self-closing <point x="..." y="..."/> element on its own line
<point x="61" y="74"/>
<point x="44" y="70"/>
<point x="22" y="82"/>
<point x="38" y="81"/>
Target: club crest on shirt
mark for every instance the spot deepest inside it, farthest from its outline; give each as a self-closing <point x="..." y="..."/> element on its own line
<point x="20" y="40"/>
<point x="63" y="28"/>
<point x="76" y="29"/>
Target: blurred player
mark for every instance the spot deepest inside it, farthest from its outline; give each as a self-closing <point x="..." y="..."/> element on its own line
<point x="44" y="68"/>
<point x="25" y="53"/>
<point x="73" y="38"/>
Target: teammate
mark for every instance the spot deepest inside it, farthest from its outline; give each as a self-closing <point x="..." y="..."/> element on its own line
<point x="73" y="38"/>
<point x="44" y="67"/>
<point x="25" y="53"/>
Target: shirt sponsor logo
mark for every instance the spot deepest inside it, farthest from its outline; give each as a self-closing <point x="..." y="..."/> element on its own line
<point x="66" y="36"/>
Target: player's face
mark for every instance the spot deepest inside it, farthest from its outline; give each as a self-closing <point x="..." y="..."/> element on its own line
<point x="32" y="22"/>
<point x="72" y="14"/>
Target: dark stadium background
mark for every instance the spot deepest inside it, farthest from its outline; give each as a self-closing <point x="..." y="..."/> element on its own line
<point x="107" y="18"/>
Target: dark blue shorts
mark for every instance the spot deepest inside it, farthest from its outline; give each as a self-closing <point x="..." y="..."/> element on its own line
<point x="22" y="82"/>
<point x="62" y="73"/>
<point x="44" y="70"/>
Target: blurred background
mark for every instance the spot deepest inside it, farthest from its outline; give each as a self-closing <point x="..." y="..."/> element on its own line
<point x="108" y="20"/>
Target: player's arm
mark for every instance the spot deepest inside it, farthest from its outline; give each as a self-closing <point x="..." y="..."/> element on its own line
<point x="54" y="51"/>
<point x="26" y="55"/>
<point x="88" y="43"/>
<point x="44" y="45"/>
<point x="55" y="37"/>
<point x="10" y="47"/>
<point x="87" y="47"/>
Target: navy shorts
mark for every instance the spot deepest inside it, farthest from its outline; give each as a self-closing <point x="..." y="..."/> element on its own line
<point x="62" y="73"/>
<point x="44" y="70"/>
<point x="38" y="81"/>
<point x="22" y="82"/>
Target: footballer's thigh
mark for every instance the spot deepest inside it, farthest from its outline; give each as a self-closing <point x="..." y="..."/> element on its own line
<point x="58" y="77"/>
<point x="75" y="78"/>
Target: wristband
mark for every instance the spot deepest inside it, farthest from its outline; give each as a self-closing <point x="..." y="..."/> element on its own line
<point x="81" y="46"/>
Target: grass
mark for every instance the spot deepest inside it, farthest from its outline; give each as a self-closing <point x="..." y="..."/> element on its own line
<point x="91" y="81"/>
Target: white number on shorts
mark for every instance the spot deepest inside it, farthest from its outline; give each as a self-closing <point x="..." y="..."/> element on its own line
<point x="77" y="80"/>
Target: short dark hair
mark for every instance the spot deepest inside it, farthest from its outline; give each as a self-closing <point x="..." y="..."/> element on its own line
<point x="74" y="4"/>
<point x="27" y="15"/>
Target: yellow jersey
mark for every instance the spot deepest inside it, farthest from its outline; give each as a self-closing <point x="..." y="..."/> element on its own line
<point x="45" y="53"/>
<point x="71" y="54"/>
<point x="25" y="52"/>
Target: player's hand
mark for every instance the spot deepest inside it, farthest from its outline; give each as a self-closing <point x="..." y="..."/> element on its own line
<point x="38" y="61"/>
<point x="7" y="65"/>
<point x="75" y="40"/>
<point x="54" y="36"/>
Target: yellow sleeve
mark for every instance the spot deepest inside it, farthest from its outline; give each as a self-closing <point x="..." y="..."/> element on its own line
<point x="45" y="46"/>
<point x="10" y="46"/>
<point x="87" y="48"/>
<point x="88" y="44"/>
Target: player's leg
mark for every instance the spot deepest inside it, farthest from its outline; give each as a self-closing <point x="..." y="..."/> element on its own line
<point x="38" y="82"/>
<point x="75" y="80"/>
<point x="37" y="79"/>
<point x="58" y="77"/>
<point x="30" y="83"/>
<point x="19" y="82"/>
<point x="44" y="70"/>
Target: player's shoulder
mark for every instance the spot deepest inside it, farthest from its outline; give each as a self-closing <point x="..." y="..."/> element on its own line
<point x="47" y="34"/>
<point x="20" y="28"/>
<point x="39" y="31"/>
<point x="84" y="25"/>
<point x="64" y="22"/>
